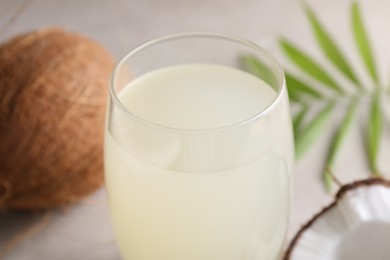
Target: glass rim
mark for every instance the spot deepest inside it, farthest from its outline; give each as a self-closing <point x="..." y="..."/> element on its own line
<point x="262" y="113"/>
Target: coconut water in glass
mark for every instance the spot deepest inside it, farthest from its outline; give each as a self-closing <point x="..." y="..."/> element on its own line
<point x="198" y="152"/>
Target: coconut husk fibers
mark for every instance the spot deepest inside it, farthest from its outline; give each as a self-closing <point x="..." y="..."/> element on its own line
<point x="53" y="87"/>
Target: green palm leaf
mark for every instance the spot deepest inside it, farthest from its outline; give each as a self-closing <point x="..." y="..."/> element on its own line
<point x="313" y="129"/>
<point x="363" y="43"/>
<point x="374" y="134"/>
<point x="305" y="134"/>
<point x="330" y="48"/>
<point x="307" y="64"/>
<point x="297" y="87"/>
<point x="298" y="120"/>
<point x="337" y="141"/>
<point x="294" y="96"/>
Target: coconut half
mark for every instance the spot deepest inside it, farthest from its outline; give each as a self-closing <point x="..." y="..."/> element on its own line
<point x="356" y="226"/>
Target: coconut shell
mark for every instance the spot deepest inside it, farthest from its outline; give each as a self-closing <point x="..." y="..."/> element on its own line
<point x="53" y="87"/>
<point x="342" y="192"/>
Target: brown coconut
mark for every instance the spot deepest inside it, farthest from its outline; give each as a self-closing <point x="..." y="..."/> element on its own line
<point x="53" y="87"/>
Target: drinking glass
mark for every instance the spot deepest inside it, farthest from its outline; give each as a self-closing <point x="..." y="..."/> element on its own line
<point x="198" y="153"/>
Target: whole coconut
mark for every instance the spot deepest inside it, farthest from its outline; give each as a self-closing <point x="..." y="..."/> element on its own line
<point x="53" y="88"/>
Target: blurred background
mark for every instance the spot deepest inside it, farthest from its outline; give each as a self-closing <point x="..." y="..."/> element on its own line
<point x="83" y="231"/>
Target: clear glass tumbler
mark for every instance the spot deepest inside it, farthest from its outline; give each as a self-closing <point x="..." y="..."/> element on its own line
<point x="198" y="152"/>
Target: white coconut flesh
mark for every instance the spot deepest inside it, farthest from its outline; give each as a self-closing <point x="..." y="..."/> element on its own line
<point x="356" y="226"/>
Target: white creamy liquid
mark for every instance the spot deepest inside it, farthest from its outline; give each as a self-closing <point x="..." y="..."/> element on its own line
<point x="218" y="195"/>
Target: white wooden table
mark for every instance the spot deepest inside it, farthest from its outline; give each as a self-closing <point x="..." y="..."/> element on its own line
<point x="83" y="231"/>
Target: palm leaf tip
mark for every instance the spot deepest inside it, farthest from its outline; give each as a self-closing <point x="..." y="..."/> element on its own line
<point x="329" y="47"/>
<point x="313" y="129"/>
<point x="362" y="42"/>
